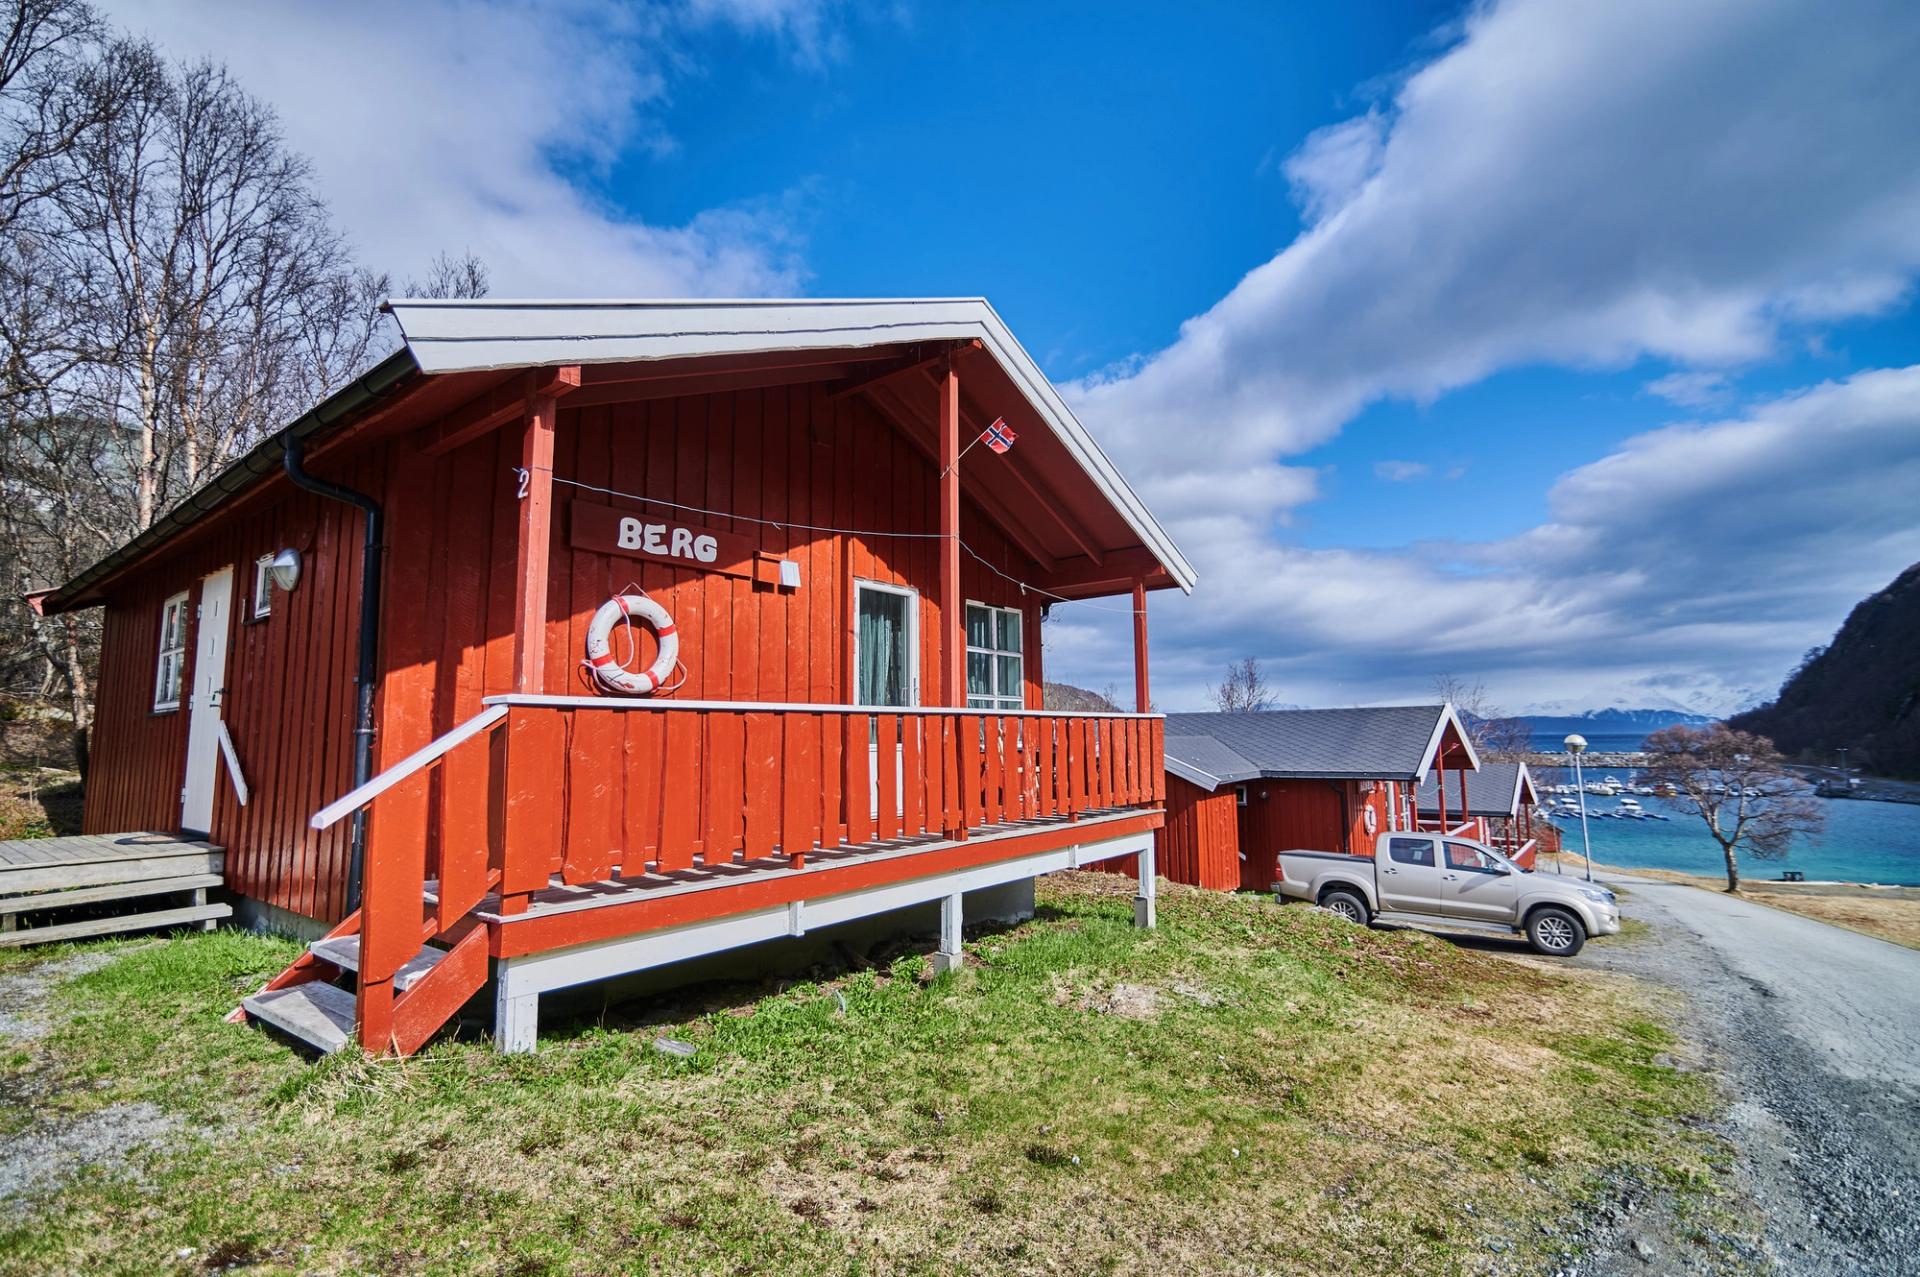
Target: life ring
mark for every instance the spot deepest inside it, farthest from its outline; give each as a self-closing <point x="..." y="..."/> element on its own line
<point x="607" y="671"/>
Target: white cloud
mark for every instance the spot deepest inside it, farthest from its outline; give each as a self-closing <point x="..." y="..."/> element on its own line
<point x="1401" y="471"/>
<point x="1581" y="185"/>
<point x="464" y="125"/>
<point x="1691" y="566"/>
<point x="1691" y="389"/>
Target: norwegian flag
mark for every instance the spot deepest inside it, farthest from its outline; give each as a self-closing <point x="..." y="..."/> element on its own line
<point x="999" y="436"/>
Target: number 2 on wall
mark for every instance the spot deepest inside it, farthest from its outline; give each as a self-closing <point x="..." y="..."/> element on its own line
<point x="524" y="476"/>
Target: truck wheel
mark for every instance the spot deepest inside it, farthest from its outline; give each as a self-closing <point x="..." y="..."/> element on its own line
<point x="1347" y="904"/>
<point x="1557" y="933"/>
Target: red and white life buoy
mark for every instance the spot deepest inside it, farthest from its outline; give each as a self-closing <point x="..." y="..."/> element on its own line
<point x="607" y="671"/>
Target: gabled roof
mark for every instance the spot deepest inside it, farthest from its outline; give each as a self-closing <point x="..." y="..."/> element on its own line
<point x="456" y="348"/>
<point x="476" y="335"/>
<point x="1396" y="742"/>
<point x="1497" y="789"/>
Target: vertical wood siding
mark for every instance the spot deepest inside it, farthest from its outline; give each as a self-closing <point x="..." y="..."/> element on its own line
<point x="1200" y="843"/>
<point x="288" y="704"/>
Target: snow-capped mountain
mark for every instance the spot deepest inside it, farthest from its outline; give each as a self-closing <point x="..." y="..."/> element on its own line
<point x="1613" y="721"/>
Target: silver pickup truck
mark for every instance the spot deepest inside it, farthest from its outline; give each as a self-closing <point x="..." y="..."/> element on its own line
<point x="1436" y="880"/>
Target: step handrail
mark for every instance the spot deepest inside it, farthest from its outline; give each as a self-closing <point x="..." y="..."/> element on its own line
<point x="352" y="801"/>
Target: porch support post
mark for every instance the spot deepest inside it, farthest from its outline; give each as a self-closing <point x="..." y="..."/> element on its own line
<point x="1142" y="697"/>
<point x="1464" y="813"/>
<point x="1440" y="787"/>
<point x="953" y="630"/>
<point x="516" y="1015"/>
<point x="532" y="549"/>
<point x="533" y="492"/>
<point x="947" y="957"/>
<point x="1143" y="914"/>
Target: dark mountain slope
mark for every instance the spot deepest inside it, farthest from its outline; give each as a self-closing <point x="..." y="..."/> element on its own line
<point x="1861" y="693"/>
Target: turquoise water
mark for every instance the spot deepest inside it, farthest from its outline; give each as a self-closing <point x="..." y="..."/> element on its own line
<point x="1863" y="841"/>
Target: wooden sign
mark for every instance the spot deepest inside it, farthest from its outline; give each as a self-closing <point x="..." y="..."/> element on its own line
<point x="605" y="530"/>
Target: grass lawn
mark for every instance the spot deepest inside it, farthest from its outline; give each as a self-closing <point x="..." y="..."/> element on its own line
<point x="1246" y="1089"/>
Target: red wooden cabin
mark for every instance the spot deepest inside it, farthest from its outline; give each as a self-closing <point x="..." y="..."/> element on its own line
<point x="1494" y="805"/>
<point x="1241" y="788"/>
<point x="853" y="725"/>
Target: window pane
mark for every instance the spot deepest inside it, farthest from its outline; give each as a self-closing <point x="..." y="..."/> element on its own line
<point x="1009" y="669"/>
<point x="979" y="674"/>
<point x="979" y="702"/>
<point x="979" y="626"/>
<point x="1009" y="630"/>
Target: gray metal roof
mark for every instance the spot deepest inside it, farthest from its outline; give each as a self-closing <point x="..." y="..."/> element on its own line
<point x="1494" y="790"/>
<point x="1206" y="762"/>
<point x="1394" y="742"/>
<point x="468" y="335"/>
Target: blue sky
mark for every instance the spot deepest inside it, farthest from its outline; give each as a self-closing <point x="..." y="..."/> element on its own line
<point x="1564" y="347"/>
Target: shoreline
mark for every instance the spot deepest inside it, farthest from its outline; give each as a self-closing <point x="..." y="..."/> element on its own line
<point x="1885" y="911"/>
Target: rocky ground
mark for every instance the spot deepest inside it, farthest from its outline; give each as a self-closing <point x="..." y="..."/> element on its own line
<point x="1816" y="1033"/>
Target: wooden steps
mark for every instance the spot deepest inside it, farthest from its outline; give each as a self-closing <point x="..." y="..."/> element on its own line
<point x="344" y="952"/>
<point x="40" y="874"/>
<point x="316" y="1013"/>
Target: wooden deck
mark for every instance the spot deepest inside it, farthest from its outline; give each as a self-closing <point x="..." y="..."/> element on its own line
<point x="41" y="874"/>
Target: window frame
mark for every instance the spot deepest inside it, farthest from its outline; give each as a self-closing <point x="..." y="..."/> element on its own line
<point x="1433" y="853"/>
<point x="262" y="588"/>
<point x="997" y="700"/>
<point x="174" y="605"/>
<point x="910" y="674"/>
<point x="1240" y="796"/>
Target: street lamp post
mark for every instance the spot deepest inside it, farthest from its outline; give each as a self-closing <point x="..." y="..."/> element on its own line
<point x="1576" y="746"/>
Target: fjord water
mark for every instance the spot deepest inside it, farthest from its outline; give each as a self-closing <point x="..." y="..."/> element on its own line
<point x="1863" y="841"/>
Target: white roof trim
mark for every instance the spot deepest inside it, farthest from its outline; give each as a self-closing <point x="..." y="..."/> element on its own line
<point x="1193" y="775"/>
<point x="480" y="335"/>
<point x="1447" y="715"/>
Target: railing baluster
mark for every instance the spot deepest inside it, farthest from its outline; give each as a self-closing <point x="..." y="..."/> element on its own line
<point x="1076" y="767"/>
<point x="969" y="727"/>
<point x="833" y="830"/>
<point x="465" y="817"/>
<point x="587" y="855"/>
<point x="953" y="775"/>
<point x="912" y="783"/>
<point x="646" y="743"/>
<point x="886" y="761"/>
<point x="763" y="795"/>
<point x="680" y="794"/>
<point x="726" y="792"/>
<point x="799" y="788"/>
<point x="535" y="756"/>
<point x="857" y="795"/>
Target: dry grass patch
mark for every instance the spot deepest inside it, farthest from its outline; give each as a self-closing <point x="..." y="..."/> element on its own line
<point x="1247" y="1088"/>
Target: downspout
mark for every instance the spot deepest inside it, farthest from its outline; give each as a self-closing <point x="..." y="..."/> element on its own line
<point x="366" y="664"/>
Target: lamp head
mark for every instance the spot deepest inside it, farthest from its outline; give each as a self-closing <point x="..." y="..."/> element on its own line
<point x="1576" y="744"/>
<point x="285" y="569"/>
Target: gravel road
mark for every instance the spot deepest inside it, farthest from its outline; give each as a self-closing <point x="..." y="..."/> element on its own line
<point x="1816" y="1032"/>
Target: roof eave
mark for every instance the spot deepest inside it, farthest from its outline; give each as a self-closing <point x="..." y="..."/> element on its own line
<point x="376" y="384"/>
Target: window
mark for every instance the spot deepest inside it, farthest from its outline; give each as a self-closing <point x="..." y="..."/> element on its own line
<point x="884" y="644"/>
<point x="1411" y="851"/>
<point x="996" y="671"/>
<point x="262" y="587"/>
<point x="1470" y="859"/>
<point x="173" y="653"/>
<point x="1240" y="795"/>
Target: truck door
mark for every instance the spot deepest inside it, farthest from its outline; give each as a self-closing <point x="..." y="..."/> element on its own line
<point x="1476" y="886"/>
<point x="1409" y="875"/>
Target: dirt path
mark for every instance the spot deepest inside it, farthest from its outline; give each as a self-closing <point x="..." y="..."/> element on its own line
<point x="1817" y="1033"/>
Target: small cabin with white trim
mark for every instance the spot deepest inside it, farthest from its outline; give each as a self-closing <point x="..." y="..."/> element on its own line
<point x="384" y="661"/>
<point x="1244" y="787"/>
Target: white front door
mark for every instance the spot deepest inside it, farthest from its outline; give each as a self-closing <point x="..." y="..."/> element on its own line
<point x="209" y="689"/>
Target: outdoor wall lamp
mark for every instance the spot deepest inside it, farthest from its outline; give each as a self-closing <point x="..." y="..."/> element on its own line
<point x="286" y="568"/>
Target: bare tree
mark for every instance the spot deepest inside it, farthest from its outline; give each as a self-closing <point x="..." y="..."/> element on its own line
<point x="1736" y="782"/>
<point x="1244" y="689"/>
<point x="1494" y="733"/>
<point x="171" y="291"/>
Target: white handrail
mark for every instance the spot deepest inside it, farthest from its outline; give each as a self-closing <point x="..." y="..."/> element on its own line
<point x="353" y="800"/>
<point x="240" y="791"/>
<point x="789" y="707"/>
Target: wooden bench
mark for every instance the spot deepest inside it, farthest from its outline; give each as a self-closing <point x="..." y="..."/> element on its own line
<point x="39" y="874"/>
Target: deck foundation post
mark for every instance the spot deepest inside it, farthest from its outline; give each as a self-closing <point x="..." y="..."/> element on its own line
<point x="1143" y="912"/>
<point x="948" y="956"/>
<point x="516" y="1015"/>
<point x="199" y="900"/>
